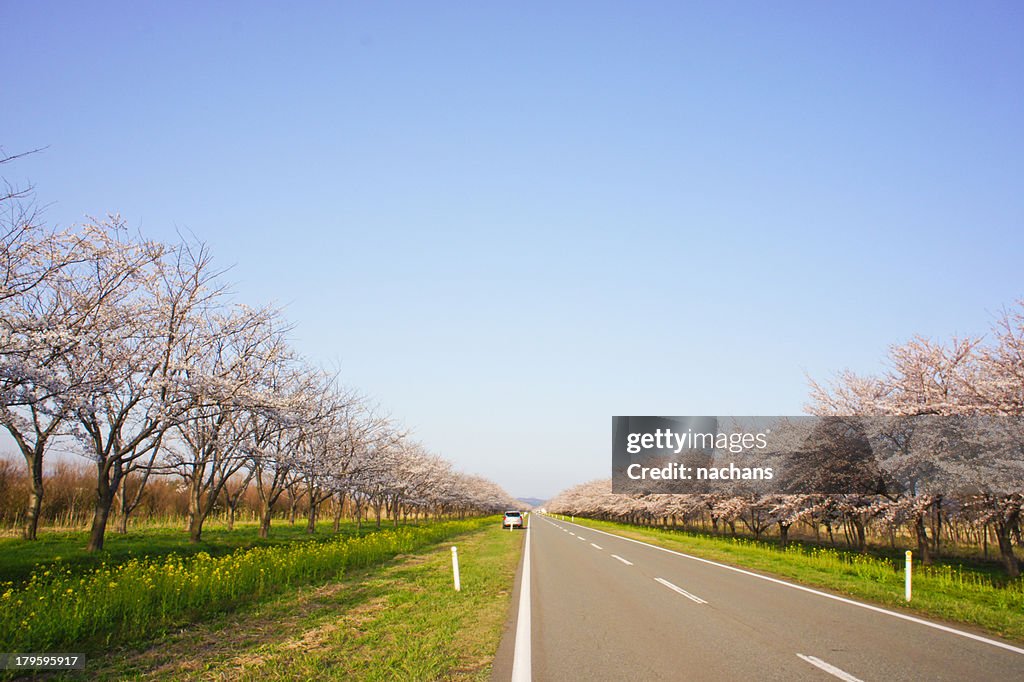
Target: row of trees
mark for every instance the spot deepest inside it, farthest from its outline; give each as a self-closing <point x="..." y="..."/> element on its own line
<point x="130" y="352"/>
<point x="853" y="519"/>
<point x="71" y="490"/>
<point x="971" y="386"/>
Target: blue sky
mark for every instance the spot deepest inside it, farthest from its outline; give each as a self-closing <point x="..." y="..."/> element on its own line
<point x="508" y="223"/>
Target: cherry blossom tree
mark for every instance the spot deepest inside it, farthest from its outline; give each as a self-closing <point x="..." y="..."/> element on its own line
<point x="51" y="333"/>
<point x="124" y="415"/>
<point x="221" y="386"/>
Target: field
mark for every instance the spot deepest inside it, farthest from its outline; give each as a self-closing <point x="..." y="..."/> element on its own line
<point x="951" y="592"/>
<point x="19" y="559"/>
<point x="401" y="620"/>
<point x="153" y="589"/>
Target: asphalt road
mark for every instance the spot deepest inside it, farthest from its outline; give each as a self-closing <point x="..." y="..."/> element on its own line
<point x="607" y="608"/>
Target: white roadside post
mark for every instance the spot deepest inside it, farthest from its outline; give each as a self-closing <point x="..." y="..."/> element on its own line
<point x="907" y="587"/>
<point x="455" y="568"/>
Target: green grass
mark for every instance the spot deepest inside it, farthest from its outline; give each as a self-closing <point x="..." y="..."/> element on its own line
<point x="64" y="609"/>
<point x="949" y="592"/>
<point x="401" y="620"/>
<point x="19" y="559"/>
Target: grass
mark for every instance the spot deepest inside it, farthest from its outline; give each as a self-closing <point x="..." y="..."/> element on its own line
<point x="19" y="559"/>
<point x="401" y="620"/>
<point x="61" y="609"/>
<point x="948" y="592"/>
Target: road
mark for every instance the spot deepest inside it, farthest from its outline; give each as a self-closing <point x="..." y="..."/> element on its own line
<point x="602" y="607"/>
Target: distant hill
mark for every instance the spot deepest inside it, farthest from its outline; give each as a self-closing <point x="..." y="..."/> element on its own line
<point x="531" y="501"/>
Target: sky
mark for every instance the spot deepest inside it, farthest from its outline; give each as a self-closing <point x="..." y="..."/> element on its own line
<point x="509" y="222"/>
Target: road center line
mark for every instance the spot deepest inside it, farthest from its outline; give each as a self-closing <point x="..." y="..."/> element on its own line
<point x="522" y="666"/>
<point x="580" y="537"/>
<point x="595" y="546"/>
<point x="616" y="556"/>
<point x="830" y="669"/>
<point x="691" y="597"/>
<point x="869" y="607"/>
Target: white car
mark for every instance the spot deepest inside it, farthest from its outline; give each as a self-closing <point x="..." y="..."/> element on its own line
<point x="512" y="519"/>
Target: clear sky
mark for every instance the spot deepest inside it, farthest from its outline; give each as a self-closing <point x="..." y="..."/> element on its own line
<point x="510" y="221"/>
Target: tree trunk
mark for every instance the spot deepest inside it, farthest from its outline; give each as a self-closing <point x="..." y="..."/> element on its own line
<point x="35" y="500"/>
<point x="265" y="523"/>
<point x="862" y="540"/>
<point x="311" y="524"/>
<point x="195" y="528"/>
<point x="340" y="512"/>
<point x="921" y="531"/>
<point x="1003" y="535"/>
<point x="195" y="511"/>
<point x="783" y="533"/>
<point x="104" y="501"/>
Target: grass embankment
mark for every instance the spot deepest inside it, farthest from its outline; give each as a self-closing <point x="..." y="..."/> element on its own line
<point x="949" y="592"/>
<point x="402" y="620"/>
<point x="19" y="559"/>
<point x="60" y="609"/>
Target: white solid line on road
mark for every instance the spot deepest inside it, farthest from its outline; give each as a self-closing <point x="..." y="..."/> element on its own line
<point x="691" y="597"/>
<point x="522" y="666"/>
<point x="616" y="556"/>
<point x="830" y="669"/>
<point x="596" y="546"/>
<point x="869" y="607"/>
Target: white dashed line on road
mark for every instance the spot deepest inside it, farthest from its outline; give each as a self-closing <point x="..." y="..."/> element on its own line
<point x="676" y="588"/>
<point x="830" y="669"/>
<point x="616" y="556"/>
<point x="826" y="595"/>
<point x="596" y="546"/>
